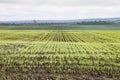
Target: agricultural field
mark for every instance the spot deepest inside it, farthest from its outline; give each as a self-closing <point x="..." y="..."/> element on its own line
<point x="59" y="27"/>
<point x="59" y="55"/>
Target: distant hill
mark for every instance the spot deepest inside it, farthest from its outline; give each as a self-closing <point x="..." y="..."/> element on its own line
<point x="111" y="20"/>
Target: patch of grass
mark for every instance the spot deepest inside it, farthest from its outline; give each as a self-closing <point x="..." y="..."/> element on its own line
<point x="60" y="27"/>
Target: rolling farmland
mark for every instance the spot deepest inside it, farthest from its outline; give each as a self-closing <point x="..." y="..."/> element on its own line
<point x="60" y="54"/>
<point x="59" y="27"/>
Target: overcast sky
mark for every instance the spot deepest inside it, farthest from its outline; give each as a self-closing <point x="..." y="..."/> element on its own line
<point x="58" y="9"/>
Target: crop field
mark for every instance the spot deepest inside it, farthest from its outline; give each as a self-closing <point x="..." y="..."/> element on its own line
<point x="60" y="27"/>
<point x="59" y="54"/>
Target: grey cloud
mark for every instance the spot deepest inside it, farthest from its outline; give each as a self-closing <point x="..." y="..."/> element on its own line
<point x="65" y="2"/>
<point x="58" y="9"/>
<point x="8" y="1"/>
<point x="83" y="2"/>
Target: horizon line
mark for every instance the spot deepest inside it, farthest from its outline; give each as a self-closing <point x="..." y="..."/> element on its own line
<point x="57" y="19"/>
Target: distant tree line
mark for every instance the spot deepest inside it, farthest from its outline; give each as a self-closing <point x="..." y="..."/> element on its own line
<point x="94" y="23"/>
<point x="57" y="23"/>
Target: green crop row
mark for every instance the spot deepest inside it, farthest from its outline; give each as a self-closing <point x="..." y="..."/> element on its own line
<point x="59" y="55"/>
